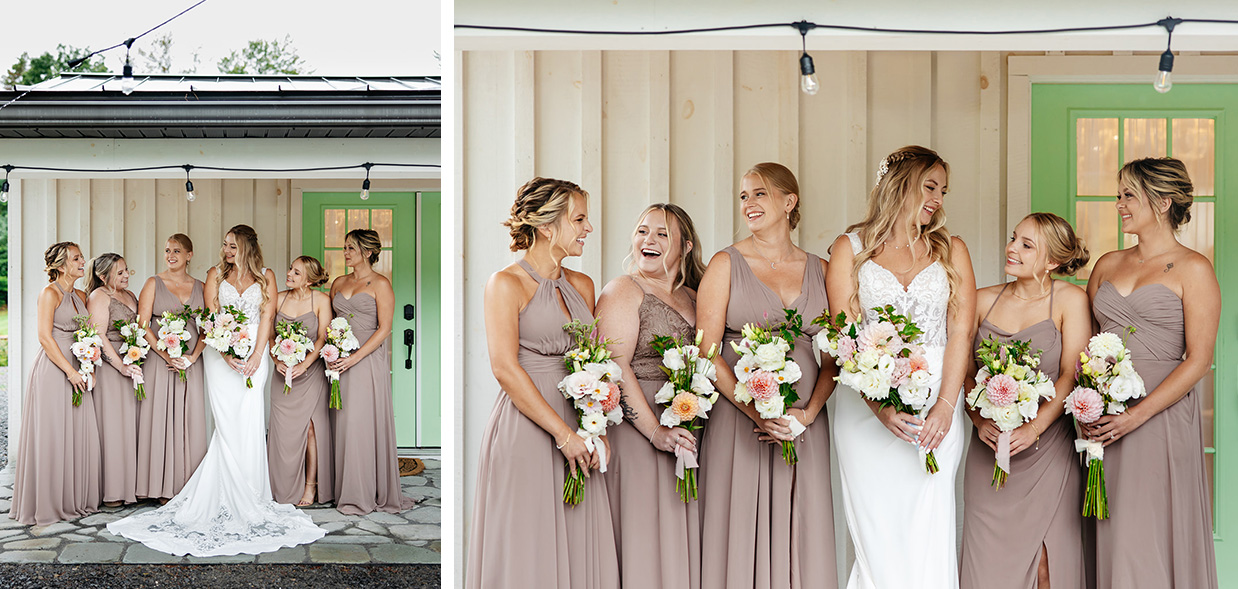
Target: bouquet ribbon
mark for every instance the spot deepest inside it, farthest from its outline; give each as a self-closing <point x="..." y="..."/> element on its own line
<point x="1094" y="449"/>
<point x="684" y="459"/>
<point x="1003" y="451"/>
<point x="797" y="428"/>
<point x="593" y="444"/>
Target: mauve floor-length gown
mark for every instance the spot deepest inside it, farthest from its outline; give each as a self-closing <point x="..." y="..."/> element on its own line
<point x="288" y="430"/>
<point x="116" y="408"/>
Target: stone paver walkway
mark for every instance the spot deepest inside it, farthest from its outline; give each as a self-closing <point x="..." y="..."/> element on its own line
<point x="410" y="537"/>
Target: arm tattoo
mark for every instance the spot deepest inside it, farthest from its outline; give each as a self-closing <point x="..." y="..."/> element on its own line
<point x="628" y="413"/>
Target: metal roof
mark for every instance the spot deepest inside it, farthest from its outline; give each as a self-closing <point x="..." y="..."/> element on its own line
<point x="224" y="106"/>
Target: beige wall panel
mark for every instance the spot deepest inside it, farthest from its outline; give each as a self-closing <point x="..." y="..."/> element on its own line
<point x="139" y="210"/>
<point x="956" y="118"/>
<point x="238" y="203"/>
<point x="107" y="217"/>
<point x="766" y="126"/>
<point x="700" y="150"/>
<point x="274" y="253"/>
<point x="557" y="119"/>
<point x="207" y="229"/>
<point x="73" y="215"/>
<point x="40" y="211"/>
<point x="900" y="102"/>
<point x="992" y="162"/>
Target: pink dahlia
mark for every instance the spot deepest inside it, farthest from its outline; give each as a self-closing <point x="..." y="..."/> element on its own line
<point x="762" y="385"/>
<point x="330" y="353"/>
<point x="1003" y="390"/>
<point x="1085" y="404"/>
<point x="684" y="406"/>
<point x="611" y="402"/>
<point x="287" y="347"/>
<point x="918" y="362"/>
<point x="171" y="341"/>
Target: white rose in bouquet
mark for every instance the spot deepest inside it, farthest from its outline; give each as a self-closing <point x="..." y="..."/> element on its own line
<point x="771" y="356"/>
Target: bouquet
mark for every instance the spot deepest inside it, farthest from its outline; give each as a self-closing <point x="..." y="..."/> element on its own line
<point x="592" y="384"/>
<point x="688" y="395"/>
<point x="290" y="347"/>
<point x="1008" y="390"/>
<point x="88" y="349"/>
<point x="341" y="343"/>
<point x="173" y="337"/>
<point x="133" y="349"/>
<point x="766" y="377"/>
<point x="227" y="332"/>
<point x="881" y="361"/>
<point x="1105" y="380"/>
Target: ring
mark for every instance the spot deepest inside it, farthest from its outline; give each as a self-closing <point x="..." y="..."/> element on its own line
<point x="1112" y="435"/>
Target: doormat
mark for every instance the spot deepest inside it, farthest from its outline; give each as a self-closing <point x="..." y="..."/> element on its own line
<point x="411" y="466"/>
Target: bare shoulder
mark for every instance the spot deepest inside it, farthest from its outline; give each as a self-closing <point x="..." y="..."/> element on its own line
<point x="622" y="289"/>
<point x="97" y="295"/>
<point x="957" y="245"/>
<point x="270" y="274"/>
<point x="840" y="250"/>
<point x="1070" y="295"/>
<point x="211" y="272"/>
<point x="1197" y="265"/>
<point x="722" y="259"/>
<point x="1108" y="261"/>
<point x="988" y="294"/>
<point x="50" y="293"/>
<point x="581" y="282"/>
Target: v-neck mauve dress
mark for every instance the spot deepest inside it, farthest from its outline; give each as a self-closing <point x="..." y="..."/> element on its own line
<point x="367" y="470"/>
<point x="1042" y="501"/>
<point x="288" y="430"/>
<point x="172" y="419"/>
<point x="658" y="535"/>
<point x="523" y="536"/>
<point x="116" y="407"/>
<point x="58" y="448"/>
<point x="1159" y="531"/>
<point x="767" y="525"/>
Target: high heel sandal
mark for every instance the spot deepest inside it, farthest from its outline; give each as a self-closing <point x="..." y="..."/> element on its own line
<point x="303" y="502"/>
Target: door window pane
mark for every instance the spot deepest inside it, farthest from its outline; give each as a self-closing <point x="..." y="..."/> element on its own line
<point x="1097" y="223"/>
<point x="1096" y="143"/>
<point x="1195" y="145"/>
<point x="384" y="264"/>
<point x="1198" y="234"/>
<point x="382" y="224"/>
<point x="1143" y="138"/>
<point x="358" y="219"/>
<point x="334" y="227"/>
<point x="335" y="263"/>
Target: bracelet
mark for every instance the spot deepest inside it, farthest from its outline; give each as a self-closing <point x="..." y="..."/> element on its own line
<point x="946" y="401"/>
<point x="560" y="446"/>
<point x="1037" y="430"/>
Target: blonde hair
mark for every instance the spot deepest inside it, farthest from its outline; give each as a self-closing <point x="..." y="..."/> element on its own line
<point x="55" y="257"/>
<point x="691" y="268"/>
<point x="541" y="201"/>
<point x="903" y="178"/>
<point x="315" y="274"/>
<point x="249" y="257"/>
<point x="778" y="177"/>
<point x="1161" y="179"/>
<point x="1062" y="245"/>
<point x="366" y="240"/>
<point x="100" y="267"/>
<point x="183" y="240"/>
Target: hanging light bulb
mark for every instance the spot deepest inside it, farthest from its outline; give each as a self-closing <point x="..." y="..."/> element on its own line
<point x="4" y="188"/>
<point x="1164" y="74"/>
<point x="365" y="185"/>
<point x="808" y="73"/>
<point x="127" y="83"/>
<point x="189" y="194"/>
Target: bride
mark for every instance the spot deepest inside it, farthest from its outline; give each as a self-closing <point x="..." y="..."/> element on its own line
<point x="901" y="518"/>
<point x="226" y="507"/>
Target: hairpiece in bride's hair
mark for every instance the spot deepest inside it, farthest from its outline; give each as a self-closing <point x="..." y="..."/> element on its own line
<point x="882" y="169"/>
<point x="890" y="160"/>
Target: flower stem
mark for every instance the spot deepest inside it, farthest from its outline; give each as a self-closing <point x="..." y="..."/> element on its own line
<point x="999" y="476"/>
<point x="930" y="463"/>
<point x="788" y="453"/>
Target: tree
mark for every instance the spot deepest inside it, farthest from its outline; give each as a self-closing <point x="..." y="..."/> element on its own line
<point x="158" y="60"/>
<point x="265" y="57"/>
<point x="29" y="71"/>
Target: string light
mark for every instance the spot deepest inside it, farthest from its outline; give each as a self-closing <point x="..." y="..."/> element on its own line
<point x="4" y="188"/>
<point x="808" y="78"/>
<point x="365" y="186"/>
<point x="127" y="84"/>
<point x="189" y="195"/>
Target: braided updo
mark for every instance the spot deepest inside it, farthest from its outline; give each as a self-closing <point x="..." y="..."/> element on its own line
<point x="55" y="257"/>
<point x="1062" y="245"/>
<point x="539" y="202"/>
<point x="1161" y="179"/>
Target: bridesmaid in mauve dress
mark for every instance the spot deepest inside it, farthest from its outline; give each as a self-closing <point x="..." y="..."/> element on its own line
<point x="58" y="448"/>
<point x="522" y="534"/>
<point x="299" y="435"/>
<point x="367" y="470"/>
<point x="116" y="405"/>
<point x="172" y="419"/>
<point x="1159" y="531"/>
<point x="766" y="524"/>
<point x="1028" y="534"/>
<point x="657" y="533"/>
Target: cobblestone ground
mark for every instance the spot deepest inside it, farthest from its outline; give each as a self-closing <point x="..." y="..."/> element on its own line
<point x="223" y="576"/>
<point x="4" y="416"/>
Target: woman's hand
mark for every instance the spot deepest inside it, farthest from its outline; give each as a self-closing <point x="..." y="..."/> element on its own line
<point x="936" y="425"/>
<point x="251" y="365"/>
<point x="578" y="456"/>
<point x="667" y="439"/>
<point x="281" y="368"/>
<point x="76" y="380"/>
<point x="343" y="364"/>
<point x="1022" y="438"/>
<point x="298" y="370"/>
<point x="181" y="363"/>
<point x="774" y="430"/>
<point x="988" y="432"/>
<point x="904" y="426"/>
<point x="1111" y="428"/>
<point x="132" y="371"/>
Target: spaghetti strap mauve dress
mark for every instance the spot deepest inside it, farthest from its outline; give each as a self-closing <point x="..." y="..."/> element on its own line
<point x="1042" y="501"/>
<point x="367" y="470"/>
<point x="523" y="536"/>
<point x="58" y="448"/>
<point x="1159" y="531"/>
<point x="659" y="536"/>
<point x="116" y="407"/>
<point x="767" y="525"/>
<point x="172" y="419"/>
<point x="288" y="430"/>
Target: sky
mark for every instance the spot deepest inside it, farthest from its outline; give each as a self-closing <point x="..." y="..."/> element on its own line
<point x="348" y="38"/>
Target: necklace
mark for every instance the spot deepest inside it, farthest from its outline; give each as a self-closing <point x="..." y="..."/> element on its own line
<point x="772" y="264"/>
<point x="897" y="247"/>
<point x="1035" y="298"/>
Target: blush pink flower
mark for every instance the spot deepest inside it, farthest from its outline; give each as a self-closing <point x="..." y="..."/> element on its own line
<point x="1085" y="404"/>
<point x="330" y="353"/>
<point x="611" y="402"/>
<point x="1003" y="390"/>
<point x="171" y="341"/>
<point x="287" y="347"/>
<point x="846" y="348"/>
<point x="876" y="334"/>
<point x="917" y="362"/>
<point x="684" y="406"/>
<point x="762" y="385"/>
<point x="902" y="369"/>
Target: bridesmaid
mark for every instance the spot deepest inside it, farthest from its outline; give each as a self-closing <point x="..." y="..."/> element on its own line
<point x="116" y="405"/>
<point x="299" y="439"/>
<point x="1159" y="531"/>
<point x="766" y="524"/>
<point x="1030" y="532"/>
<point x="658" y="535"/>
<point x="58" y="448"/>
<point x="172" y="419"/>
<point x="367" y="471"/>
<point x="523" y="535"/>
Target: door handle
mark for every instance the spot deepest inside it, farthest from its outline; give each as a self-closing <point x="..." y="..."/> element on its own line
<point x="408" y="341"/>
<point x="409" y="313"/>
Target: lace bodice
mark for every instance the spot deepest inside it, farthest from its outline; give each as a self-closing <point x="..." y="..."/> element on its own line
<point x="924" y="301"/>
<point x="249" y="302"/>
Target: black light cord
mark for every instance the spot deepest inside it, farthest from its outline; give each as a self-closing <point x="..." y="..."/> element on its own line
<point x="127" y="43"/>
<point x="187" y="167"/>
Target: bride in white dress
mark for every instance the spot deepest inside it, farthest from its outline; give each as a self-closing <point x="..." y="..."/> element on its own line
<point x="226" y="507"/>
<point x="902" y="519"/>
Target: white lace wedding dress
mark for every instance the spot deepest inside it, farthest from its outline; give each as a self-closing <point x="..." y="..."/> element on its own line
<point x="901" y="518"/>
<point x="226" y="508"/>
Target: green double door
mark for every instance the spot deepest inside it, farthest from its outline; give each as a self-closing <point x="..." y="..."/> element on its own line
<point x="408" y="223"/>
<point x="1081" y="136"/>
